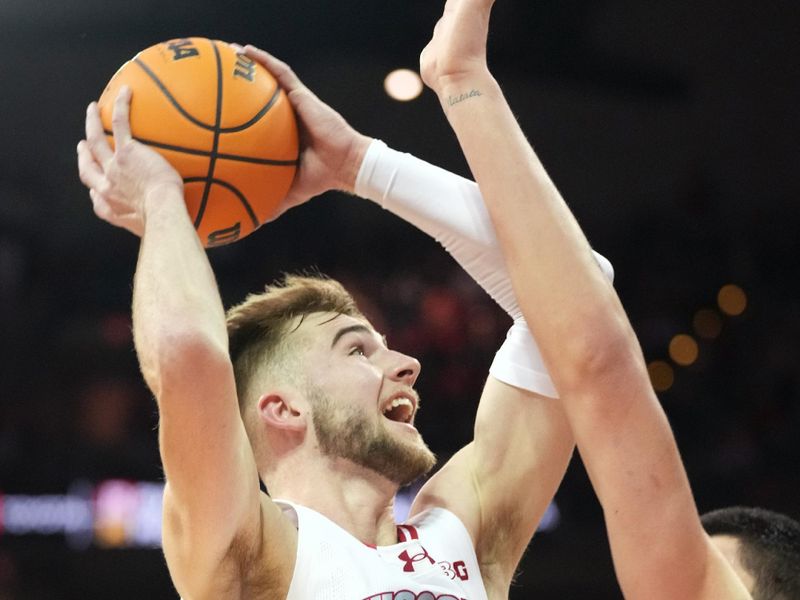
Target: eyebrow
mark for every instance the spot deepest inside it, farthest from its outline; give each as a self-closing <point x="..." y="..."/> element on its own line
<point x="354" y="328"/>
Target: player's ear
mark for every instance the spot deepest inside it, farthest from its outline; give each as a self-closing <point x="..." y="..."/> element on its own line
<point x="284" y="409"/>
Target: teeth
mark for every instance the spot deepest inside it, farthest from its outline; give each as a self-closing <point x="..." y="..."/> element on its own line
<point x="398" y="402"/>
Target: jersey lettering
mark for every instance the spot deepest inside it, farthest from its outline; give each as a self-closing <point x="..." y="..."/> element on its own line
<point x="461" y="570"/>
<point x="182" y="49"/>
<point x="455" y="570"/>
<point x="408" y="595"/>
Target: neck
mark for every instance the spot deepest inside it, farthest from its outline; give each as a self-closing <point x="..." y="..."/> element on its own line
<point x="357" y="499"/>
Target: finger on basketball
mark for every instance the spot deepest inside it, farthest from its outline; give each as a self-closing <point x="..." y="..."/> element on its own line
<point x="95" y="137"/>
<point x="279" y="69"/>
<point x="120" y="119"/>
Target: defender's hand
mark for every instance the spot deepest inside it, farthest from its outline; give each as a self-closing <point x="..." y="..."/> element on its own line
<point x="122" y="179"/>
<point x="331" y="151"/>
<point x="457" y="50"/>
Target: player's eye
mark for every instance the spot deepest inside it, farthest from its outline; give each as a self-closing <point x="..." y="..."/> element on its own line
<point x="357" y="350"/>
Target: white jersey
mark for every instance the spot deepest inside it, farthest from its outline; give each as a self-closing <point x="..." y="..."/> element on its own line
<point x="434" y="559"/>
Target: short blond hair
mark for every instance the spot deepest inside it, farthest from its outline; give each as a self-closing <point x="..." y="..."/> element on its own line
<point x="258" y="327"/>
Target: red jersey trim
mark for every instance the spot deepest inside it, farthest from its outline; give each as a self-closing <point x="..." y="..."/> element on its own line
<point x="406" y="533"/>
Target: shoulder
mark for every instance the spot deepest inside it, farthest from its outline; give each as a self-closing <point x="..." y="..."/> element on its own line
<point x="438" y="523"/>
<point x="436" y="517"/>
<point x="261" y="558"/>
<point x="267" y="559"/>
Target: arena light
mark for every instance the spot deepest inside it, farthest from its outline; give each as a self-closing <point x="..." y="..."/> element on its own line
<point x="403" y="85"/>
<point x="661" y="374"/>
<point x="707" y="323"/>
<point x="732" y="300"/>
<point x="683" y="349"/>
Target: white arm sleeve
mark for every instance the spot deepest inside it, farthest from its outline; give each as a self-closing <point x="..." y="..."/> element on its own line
<point x="450" y="209"/>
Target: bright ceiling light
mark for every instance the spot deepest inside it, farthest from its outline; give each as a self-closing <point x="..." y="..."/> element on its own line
<point x="403" y="85"/>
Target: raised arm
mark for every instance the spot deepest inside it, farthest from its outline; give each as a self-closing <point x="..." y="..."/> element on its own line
<point x="586" y="339"/>
<point x="211" y="501"/>
<point x="500" y="484"/>
<point x="215" y="518"/>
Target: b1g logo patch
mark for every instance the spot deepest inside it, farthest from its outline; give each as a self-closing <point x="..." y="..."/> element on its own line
<point x="456" y="570"/>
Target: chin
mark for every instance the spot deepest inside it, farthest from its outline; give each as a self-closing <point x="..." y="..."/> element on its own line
<point x="394" y="450"/>
<point x="413" y="463"/>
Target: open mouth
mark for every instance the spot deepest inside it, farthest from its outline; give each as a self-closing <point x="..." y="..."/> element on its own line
<point x="399" y="409"/>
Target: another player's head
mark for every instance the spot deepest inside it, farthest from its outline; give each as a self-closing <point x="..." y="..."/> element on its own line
<point x="762" y="546"/>
<point x="312" y="372"/>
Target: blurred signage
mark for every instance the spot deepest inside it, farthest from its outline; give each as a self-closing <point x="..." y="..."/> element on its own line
<point x="111" y="514"/>
<point x="118" y="513"/>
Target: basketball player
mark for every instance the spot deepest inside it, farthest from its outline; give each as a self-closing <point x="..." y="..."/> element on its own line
<point x="223" y="539"/>
<point x="325" y="410"/>
<point x="762" y="546"/>
<point x="657" y="541"/>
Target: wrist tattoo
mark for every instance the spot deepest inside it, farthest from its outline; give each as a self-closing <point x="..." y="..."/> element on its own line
<point x="451" y="100"/>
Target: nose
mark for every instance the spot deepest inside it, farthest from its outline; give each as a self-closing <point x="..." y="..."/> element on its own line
<point x="403" y="368"/>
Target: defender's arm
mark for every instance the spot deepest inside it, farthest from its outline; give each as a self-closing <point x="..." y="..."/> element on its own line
<point x="586" y="340"/>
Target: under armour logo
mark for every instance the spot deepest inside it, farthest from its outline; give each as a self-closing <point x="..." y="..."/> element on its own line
<point x="410" y="560"/>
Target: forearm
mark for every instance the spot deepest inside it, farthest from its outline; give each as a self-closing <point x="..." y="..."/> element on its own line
<point x="175" y="297"/>
<point x="588" y="346"/>
<point x="540" y="238"/>
<point x="447" y="207"/>
<point x="451" y="209"/>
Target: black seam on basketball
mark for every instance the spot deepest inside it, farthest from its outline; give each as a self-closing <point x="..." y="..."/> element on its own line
<point x="258" y="115"/>
<point x="213" y="156"/>
<point x="259" y="161"/>
<point x="235" y="157"/>
<point x="170" y="97"/>
<point x="242" y="198"/>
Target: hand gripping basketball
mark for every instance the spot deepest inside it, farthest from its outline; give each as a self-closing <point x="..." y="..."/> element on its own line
<point x="120" y="180"/>
<point x="331" y="151"/>
<point x="222" y="121"/>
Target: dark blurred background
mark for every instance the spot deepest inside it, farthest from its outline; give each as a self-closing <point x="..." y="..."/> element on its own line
<point x="670" y="127"/>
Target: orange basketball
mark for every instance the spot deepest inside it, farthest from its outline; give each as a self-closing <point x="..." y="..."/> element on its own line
<point x="222" y="121"/>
